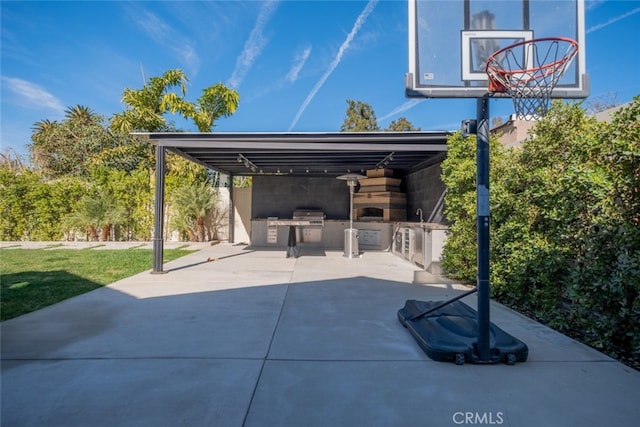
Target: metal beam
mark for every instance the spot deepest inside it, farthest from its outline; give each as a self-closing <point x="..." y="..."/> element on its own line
<point x="231" y="212"/>
<point x="158" y="229"/>
<point x="303" y="146"/>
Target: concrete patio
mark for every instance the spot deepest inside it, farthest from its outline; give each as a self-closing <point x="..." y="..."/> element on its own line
<point x="234" y="336"/>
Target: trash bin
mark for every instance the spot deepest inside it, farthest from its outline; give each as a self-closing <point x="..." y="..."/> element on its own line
<point x="351" y="248"/>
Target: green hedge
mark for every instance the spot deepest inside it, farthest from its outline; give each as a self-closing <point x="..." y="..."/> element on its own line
<point x="565" y="224"/>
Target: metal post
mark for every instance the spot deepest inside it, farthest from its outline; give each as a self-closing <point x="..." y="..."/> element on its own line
<point x="351" y="187"/>
<point x="158" y="229"/>
<point x="482" y="206"/>
<point x="232" y="218"/>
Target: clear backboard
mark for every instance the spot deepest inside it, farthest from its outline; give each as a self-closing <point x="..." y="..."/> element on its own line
<point x="451" y="40"/>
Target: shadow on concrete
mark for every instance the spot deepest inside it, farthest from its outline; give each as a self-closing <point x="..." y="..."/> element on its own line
<point x="166" y="359"/>
<point x="251" y="348"/>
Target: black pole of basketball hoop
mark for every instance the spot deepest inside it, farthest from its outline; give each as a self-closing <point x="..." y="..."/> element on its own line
<point x="482" y="218"/>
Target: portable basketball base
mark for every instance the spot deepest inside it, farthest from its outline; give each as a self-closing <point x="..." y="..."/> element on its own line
<point x="451" y="330"/>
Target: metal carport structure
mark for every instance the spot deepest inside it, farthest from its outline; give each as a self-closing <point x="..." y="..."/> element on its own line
<point x="308" y="154"/>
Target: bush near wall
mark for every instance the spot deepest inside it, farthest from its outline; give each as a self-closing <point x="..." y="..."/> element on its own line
<point x="565" y="225"/>
<point x="107" y="204"/>
<point x="32" y="208"/>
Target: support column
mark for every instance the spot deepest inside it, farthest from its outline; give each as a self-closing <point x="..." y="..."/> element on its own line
<point x="158" y="225"/>
<point x="232" y="216"/>
<point x="482" y="206"/>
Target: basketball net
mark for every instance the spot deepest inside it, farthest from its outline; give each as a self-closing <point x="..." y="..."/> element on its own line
<point x="528" y="71"/>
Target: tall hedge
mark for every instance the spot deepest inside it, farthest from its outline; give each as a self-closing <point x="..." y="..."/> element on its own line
<point x="565" y="224"/>
<point x="32" y="208"/>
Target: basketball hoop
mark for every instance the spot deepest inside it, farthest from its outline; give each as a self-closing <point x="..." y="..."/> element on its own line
<point x="529" y="70"/>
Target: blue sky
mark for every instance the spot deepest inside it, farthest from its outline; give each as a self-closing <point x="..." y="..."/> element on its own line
<point x="294" y="63"/>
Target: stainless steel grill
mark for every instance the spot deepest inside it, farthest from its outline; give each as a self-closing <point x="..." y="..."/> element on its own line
<point x="307" y="222"/>
<point x="311" y="217"/>
<point x="310" y="225"/>
<point x="301" y="218"/>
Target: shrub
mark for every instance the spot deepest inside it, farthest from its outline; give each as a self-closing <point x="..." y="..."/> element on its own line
<point x="565" y="224"/>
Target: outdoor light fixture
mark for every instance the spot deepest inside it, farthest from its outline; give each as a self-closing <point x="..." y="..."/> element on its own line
<point x="247" y="163"/>
<point x="384" y="162"/>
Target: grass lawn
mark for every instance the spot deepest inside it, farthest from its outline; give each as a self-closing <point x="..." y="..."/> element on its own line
<point x="31" y="279"/>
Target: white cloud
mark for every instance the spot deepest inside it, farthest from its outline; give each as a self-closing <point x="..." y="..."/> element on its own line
<point x="613" y="20"/>
<point x="253" y="46"/>
<point x="30" y="95"/>
<point x="336" y="61"/>
<point x="180" y="46"/>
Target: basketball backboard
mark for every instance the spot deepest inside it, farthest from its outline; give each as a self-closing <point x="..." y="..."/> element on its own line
<point x="450" y="41"/>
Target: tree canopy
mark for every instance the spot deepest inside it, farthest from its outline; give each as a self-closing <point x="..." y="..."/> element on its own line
<point x="91" y="178"/>
<point x="67" y="147"/>
<point x="145" y="108"/>
<point x="360" y="117"/>
<point x="401" y="125"/>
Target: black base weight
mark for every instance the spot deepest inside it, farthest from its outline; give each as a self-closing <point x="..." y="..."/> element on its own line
<point x="450" y="333"/>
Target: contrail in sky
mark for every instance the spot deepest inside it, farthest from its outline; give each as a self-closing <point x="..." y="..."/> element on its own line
<point x="292" y="75"/>
<point x="345" y="46"/>
<point x="404" y="107"/>
<point x="253" y="47"/>
<point x="300" y="60"/>
<point x="613" y="20"/>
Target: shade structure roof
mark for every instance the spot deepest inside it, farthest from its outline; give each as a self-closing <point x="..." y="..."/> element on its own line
<point x="307" y="153"/>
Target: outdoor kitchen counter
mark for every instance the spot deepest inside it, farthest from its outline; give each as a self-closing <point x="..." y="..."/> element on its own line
<point x="373" y="235"/>
<point x="420" y="243"/>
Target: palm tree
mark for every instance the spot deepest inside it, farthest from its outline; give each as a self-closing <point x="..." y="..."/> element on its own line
<point x="43" y="126"/>
<point x="98" y="212"/>
<point x="41" y="131"/>
<point x="80" y="114"/>
<point x="216" y="101"/>
<point x="84" y="219"/>
<point x="192" y="204"/>
<point x="146" y="106"/>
